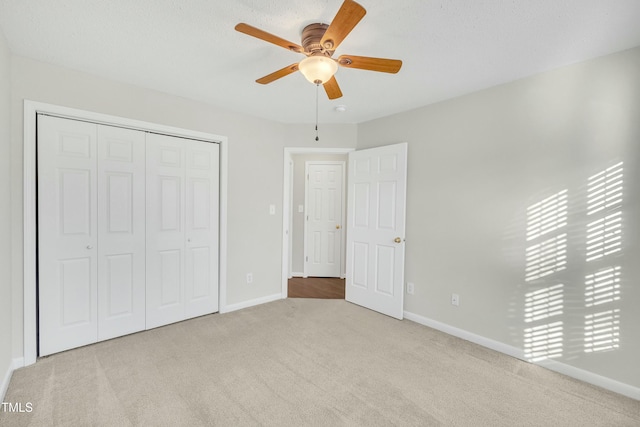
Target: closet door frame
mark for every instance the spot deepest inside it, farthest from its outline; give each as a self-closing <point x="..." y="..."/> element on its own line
<point x="31" y="110"/>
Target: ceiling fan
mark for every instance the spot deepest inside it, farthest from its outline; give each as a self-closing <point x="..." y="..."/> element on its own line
<point x="319" y="41"/>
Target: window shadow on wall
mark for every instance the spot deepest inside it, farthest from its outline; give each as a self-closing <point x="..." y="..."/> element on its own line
<point x="571" y="283"/>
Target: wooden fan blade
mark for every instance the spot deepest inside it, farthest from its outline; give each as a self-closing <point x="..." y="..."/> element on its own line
<point x="332" y="88"/>
<point x="278" y="74"/>
<point x="346" y="19"/>
<point x="372" y="64"/>
<point x="268" y="37"/>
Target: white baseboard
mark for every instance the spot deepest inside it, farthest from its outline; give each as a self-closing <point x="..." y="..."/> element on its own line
<point x="553" y="365"/>
<point x="294" y="274"/>
<point x="251" y="303"/>
<point x="6" y="377"/>
<point x="466" y="335"/>
<point x="591" y="378"/>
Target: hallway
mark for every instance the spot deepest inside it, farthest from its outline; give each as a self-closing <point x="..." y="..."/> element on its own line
<point x="316" y="287"/>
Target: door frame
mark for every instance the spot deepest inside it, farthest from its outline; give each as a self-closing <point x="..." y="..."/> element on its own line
<point x="287" y="208"/>
<point x="343" y="202"/>
<point x="31" y="109"/>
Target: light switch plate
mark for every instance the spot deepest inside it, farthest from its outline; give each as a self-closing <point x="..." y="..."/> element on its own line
<point x="272" y="209"/>
<point x="300" y="208"/>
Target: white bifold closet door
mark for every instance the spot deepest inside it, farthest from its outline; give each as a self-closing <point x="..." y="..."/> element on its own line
<point x="127" y="231"/>
<point x="182" y="229"/>
<point x="121" y="232"/>
<point x="91" y="247"/>
<point x="67" y="234"/>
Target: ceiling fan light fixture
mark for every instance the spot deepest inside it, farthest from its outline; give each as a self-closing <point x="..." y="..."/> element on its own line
<point x="318" y="69"/>
<point x="319" y="43"/>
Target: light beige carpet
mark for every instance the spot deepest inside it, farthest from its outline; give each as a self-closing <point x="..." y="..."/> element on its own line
<point x="303" y="362"/>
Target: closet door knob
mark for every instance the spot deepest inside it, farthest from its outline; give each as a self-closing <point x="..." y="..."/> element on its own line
<point x="89" y="247"/>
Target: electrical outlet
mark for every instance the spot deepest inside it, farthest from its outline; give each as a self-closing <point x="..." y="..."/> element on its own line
<point x="455" y="299"/>
<point x="410" y="288"/>
<point x="249" y="277"/>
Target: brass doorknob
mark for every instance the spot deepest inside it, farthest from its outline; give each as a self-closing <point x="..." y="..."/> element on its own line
<point x="397" y="240"/>
<point x="337" y="227"/>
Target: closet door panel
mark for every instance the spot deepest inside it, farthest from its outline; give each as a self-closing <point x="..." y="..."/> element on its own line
<point x="121" y="231"/>
<point x="128" y="231"/>
<point x="202" y="178"/>
<point x="67" y="236"/>
<point x="165" y="201"/>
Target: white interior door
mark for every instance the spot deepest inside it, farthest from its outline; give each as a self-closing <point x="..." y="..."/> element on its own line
<point x="67" y="236"/>
<point x="376" y="228"/>
<point x="201" y="255"/>
<point x="323" y="227"/>
<point x="121" y="231"/>
<point x="165" y="203"/>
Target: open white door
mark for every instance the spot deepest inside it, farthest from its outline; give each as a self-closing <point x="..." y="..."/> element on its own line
<point x="376" y="208"/>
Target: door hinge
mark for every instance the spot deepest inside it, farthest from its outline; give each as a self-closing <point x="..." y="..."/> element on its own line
<point x="306" y="259"/>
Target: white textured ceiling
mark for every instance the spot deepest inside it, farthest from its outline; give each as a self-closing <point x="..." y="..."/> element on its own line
<point x="190" y="48"/>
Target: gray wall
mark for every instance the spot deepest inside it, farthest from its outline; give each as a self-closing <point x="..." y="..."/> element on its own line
<point x="256" y="157"/>
<point x="476" y="163"/>
<point x="5" y="213"/>
<point x="297" y="234"/>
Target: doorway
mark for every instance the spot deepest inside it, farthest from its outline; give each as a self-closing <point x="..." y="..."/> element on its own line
<point x="294" y="215"/>
<point x="323" y="216"/>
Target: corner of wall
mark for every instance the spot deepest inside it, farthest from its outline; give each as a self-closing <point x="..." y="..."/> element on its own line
<point x="6" y="373"/>
<point x="6" y="312"/>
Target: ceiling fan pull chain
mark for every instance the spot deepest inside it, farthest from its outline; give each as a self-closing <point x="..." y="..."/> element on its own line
<point x="317" y="90"/>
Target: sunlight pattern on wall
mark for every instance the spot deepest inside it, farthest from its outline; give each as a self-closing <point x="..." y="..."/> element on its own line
<point x="604" y="189"/>
<point x="602" y="331"/>
<point x="604" y="240"/>
<point x="546" y="258"/>
<point x="543" y="342"/>
<point x="602" y="287"/>
<point x="548" y="239"/>
<point x="546" y="254"/>
<point x="604" y="236"/>
<point x="543" y="303"/>
<point x="547" y="215"/>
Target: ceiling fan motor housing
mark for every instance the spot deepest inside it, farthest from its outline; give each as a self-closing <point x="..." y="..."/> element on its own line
<point x="311" y="37"/>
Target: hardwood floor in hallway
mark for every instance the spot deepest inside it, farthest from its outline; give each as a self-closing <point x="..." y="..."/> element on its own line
<point x="316" y="287"/>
